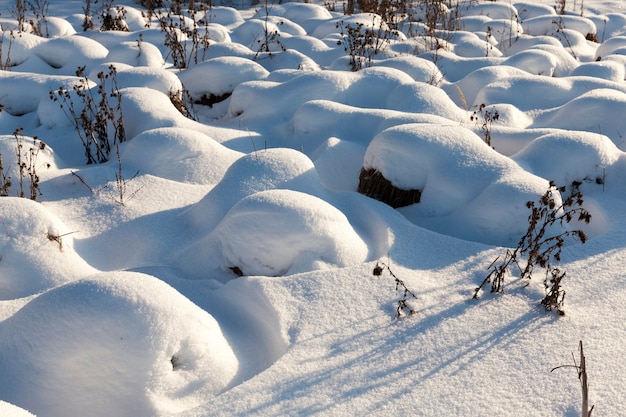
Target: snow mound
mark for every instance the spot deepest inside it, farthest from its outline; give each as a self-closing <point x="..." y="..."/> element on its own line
<point x="178" y="154"/>
<point x="35" y="253"/>
<point x="70" y="52"/>
<point x="317" y="120"/>
<point x="226" y="74"/>
<point x="367" y="88"/>
<point x="116" y="341"/>
<point x="608" y="70"/>
<point x="280" y="232"/>
<point x="452" y="167"/>
<point x="417" y="68"/>
<point x="17" y="49"/>
<point x="599" y="110"/>
<point x="567" y="156"/>
<point x="23" y="92"/>
<point x="533" y="61"/>
<point x="259" y="171"/>
<point x="142" y="54"/>
<point x="149" y="77"/>
<point x="424" y="98"/>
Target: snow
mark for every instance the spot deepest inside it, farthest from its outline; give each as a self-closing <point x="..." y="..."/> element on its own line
<point x="222" y="265"/>
<point x="120" y="326"/>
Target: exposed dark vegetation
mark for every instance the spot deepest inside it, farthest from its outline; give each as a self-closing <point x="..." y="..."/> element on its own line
<point x="373" y="184"/>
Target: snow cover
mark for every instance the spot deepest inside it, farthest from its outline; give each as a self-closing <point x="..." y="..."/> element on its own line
<point x="223" y="264"/>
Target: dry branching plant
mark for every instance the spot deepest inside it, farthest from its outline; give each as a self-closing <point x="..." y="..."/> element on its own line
<point x="187" y="35"/>
<point x="26" y="159"/>
<point x="540" y="248"/>
<point x="484" y="118"/>
<point x="5" y="50"/>
<point x="96" y="113"/>
<point x="403" y="307"/>
<point x="27" y="164"/>
<point x="362" y="42"/>
<point x="269" y="37"/>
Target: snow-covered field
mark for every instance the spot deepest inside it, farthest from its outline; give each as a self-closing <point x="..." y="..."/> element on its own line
<point x="223" y="266"/>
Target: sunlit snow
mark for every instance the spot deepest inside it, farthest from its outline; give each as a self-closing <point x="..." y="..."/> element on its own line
<point x="220" y="262"/>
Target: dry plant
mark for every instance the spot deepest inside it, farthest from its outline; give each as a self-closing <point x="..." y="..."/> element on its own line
<point x="269" y="37"/>
<point x="581" y="369"/>
<point x="186" y="36"/>
<point x="54" y="236"/>
<point x="26" y="158"/>
<point x="121" y="184"/>
<point x="39" y="11"/>
<point x="27" y="164"/>
<point x="363" y="42"/>
<point x="87" y="18"/>
<point x="18" y="11"/>
<point x="541" y="249"/>
<point x="121" y="192"/>
<point x="110" y="17"/>
<point x="484" y="118"/>
<point x="561" y="30"/>
<point x="98" y="122"/>
<point x="5" y="63"/>
<point x="403" y="307"/>
<point x="5" y="180"/>
<point x="184" y="102"/>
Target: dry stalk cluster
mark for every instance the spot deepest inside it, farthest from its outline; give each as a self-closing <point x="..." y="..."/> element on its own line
<point x="363" y="42"/>
<point x="484" y="118"/>
<point x="26" y="158"/>
<point x="539" y="248"/>
<point x="96" y="113"/>
<point x="186" y="32"/>
<point x="110" y="17"/>
<point x="268" y="37"/>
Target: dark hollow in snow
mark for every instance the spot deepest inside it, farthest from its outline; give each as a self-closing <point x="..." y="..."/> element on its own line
<point x="374" y="185"/>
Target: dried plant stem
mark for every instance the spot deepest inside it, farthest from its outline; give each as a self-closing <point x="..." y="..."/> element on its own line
<point x="581" y="368"/>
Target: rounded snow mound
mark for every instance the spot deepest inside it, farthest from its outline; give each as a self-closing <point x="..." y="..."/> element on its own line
<point x="419" y="69"/>
<point x="450" y="164"/>
<point x="17" y="49"/>
<point x="226" y="74"/>
<point x="567" y="156"/>
<point x="280" y="232"/>
<point x="259" y="171"/>
<point x="178" y="154"/>
<point x="420" y="97"/>
<point x="150" y="77"/>
<point x="116" y="342"/>
<point x="599" y="110"/>
<point x="70" y="52"/>
<point x="133" y="53"/>
<point x="36" y="250"/>
<point x="454" y="169"/>
<point x="54" y="27"/>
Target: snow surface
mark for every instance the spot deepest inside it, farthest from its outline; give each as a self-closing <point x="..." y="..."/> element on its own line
<point x="234" y="276"/>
